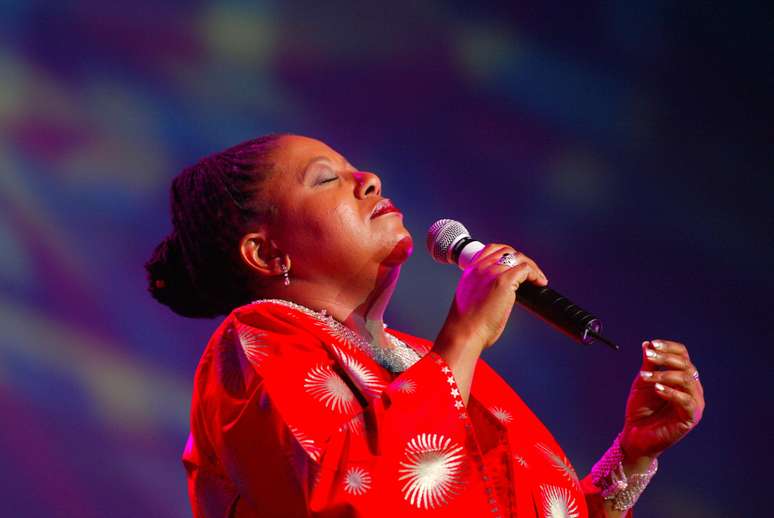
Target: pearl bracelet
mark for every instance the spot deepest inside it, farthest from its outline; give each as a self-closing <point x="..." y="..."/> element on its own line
<point x="608" y="475"/>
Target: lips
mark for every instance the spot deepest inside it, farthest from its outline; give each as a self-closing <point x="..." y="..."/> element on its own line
<point x="383" y="206"/>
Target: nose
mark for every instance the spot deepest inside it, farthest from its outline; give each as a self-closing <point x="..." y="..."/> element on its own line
<point x="368" y="184"/>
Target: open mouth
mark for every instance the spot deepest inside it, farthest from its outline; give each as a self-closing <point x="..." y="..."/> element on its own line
<point x="384" y="206"/>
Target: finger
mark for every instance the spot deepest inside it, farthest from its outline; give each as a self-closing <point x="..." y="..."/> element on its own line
<point x="675" y="361"/>
<point x="492" y="261"/>
<point x="680" y="380"/>
<point x="511" y="276"/>
<point x="539" y="271"/>
<point x="700" y="390"/>
<point x="492" y="252"/>
<point x="521" y="257"/>
<point x="700" y="396"/>
<point x="670" y="346"/>
<point x="647" y="364"/>
<point x="499" y="254"/>
<point x="518" y="274"/>
<point x="668" y="360"/>
<point x="685" y="403"/>
<point x="677" y="348"/>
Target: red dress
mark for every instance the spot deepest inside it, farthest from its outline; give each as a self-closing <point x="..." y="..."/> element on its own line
<point x="291" y="418"/>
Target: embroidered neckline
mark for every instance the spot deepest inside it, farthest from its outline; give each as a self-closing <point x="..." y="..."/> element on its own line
<point x="398" y="359"/>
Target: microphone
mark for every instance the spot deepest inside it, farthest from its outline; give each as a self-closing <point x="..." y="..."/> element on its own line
<point x="449" y="242"/>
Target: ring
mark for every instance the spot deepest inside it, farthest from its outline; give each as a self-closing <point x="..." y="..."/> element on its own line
<point x="695" y="375"/>
<point x="507" y="260"/>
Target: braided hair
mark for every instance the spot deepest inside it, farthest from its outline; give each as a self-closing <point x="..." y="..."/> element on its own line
<point x="197" y="269"/>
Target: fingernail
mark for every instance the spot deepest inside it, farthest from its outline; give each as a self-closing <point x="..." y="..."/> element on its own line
<point x="645" y="344"/>
<point x="660" y="387"/>
<point x="646" y="375"/>
<point x="650" y="353"/>
<point x="658" y="345"/>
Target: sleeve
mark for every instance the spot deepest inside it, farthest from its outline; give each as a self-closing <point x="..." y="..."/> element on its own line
<point x="298" y="440"/>
<point x="532" y="431"/>
<point x="594" y="500"/>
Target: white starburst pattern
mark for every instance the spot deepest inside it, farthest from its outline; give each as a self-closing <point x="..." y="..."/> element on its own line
<point x="432" y="470"/>
<point x="336" y="332"/>
<point x="521" y="460"/>
<point x="560" y="463"/>
<point x="405" y="385"/>
<point x="363" y="377"/>
<point x="501" y="414"/>
<point x="327" y="387"/>
<point x="558" y="502"/>
<point x="356" y="425"/>
<point x="357" y="481"/>
<point x="309" y="446"/>
<point x="253" y="344"/>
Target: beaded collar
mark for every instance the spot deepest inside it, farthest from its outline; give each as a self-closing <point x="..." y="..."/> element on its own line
<point x="397" y="359"/>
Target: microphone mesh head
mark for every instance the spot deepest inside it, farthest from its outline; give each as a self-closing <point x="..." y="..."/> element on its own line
<point x="440" y="237"/>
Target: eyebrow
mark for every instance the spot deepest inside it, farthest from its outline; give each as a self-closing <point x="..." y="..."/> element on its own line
<point x="302" y="172"/>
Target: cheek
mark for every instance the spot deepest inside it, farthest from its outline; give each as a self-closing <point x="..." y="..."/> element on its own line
<point x="327" y="233"/>
<point x="347" y="227"/>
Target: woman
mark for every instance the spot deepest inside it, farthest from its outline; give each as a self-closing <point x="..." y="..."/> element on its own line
<point x="305" y="404"/>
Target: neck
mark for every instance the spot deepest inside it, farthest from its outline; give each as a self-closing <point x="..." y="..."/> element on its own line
<point x="367" y="318"/>
<point x="361" y="310"/>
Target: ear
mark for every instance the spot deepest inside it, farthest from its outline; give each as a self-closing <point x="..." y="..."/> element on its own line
<point x="261" y="254"/>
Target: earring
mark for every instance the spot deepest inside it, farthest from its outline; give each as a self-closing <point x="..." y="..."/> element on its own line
<point x="286" y="280"/>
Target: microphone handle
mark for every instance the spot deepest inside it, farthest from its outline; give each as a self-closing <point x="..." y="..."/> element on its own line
<point x="563" y="314"/>
<point x="549" y="305"/>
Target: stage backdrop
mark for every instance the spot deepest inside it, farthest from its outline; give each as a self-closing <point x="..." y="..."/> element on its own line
<point x="626" y="146"/>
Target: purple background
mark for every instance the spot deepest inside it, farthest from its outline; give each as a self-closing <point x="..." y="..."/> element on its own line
<point x="626" y="147"/>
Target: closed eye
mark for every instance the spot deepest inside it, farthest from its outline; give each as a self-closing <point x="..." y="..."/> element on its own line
<point x="329" y="179"/>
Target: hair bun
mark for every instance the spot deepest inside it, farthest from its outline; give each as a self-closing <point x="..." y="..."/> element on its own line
<point x="164" y="260"/>
<point x="169" y="281"/>
<point x="197" y="270"/>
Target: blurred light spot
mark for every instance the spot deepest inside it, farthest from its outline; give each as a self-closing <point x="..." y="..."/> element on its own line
<point x="43" y="227"/>
<point x="239" y="32"/>
<point x="14" y="261"/>
<point x="125" y="146"/>
<point x="577" y="178"/>
<point x="482" y="51"/>
<point x="102" y="134"/>
<point x="644" y="116"/>
<point x="12" y="87"/>
<point x="123" y="392"/>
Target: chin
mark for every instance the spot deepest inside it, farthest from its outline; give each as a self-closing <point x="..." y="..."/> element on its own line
<point x="400" y="252"/>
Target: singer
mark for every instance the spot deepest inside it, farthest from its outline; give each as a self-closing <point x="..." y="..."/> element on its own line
<point x="306" y="404"/>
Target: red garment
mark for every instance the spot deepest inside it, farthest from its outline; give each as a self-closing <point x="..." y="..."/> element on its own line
<point x="289" y="418"/>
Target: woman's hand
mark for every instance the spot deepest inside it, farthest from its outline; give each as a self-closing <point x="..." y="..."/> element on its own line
<point x="486" y="294"/>
<point x="664" y="405"/>
<point x="482" y="304"/>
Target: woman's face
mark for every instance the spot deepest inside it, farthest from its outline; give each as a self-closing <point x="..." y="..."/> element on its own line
<point x="326" y="221"/>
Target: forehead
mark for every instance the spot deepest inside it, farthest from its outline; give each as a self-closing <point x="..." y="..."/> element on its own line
<point x="296" y="152"/>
